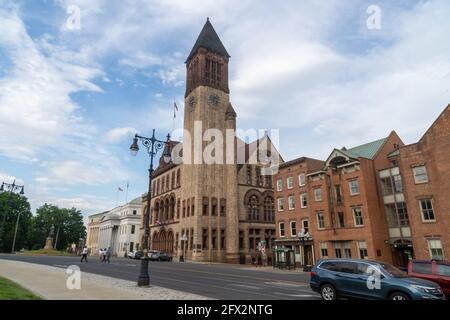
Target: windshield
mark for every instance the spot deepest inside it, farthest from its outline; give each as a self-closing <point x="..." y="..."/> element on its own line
<point x="393" y="271"/>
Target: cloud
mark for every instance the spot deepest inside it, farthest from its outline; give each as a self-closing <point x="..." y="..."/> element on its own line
<point x="310" y="69"/>
<point x="118" y="134"/>
<point x="35" y="100"/>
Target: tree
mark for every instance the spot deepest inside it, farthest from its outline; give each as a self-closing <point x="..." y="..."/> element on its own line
<point x="68" y="226"/>
<point x="10" y="206"/>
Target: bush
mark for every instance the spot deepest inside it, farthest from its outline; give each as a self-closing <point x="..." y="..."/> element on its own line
<point x="36" y="247"/>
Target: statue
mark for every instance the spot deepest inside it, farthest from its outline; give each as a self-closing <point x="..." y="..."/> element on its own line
<point x="52" y="231"/>
<point x="49" y="240"/>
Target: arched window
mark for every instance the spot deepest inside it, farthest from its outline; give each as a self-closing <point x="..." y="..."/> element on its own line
<point x="253" y="208"/>
<point x="172" y="208"/>
<point x="193" y="207"/>
<point x="173" y="180"/>
<point x="157" y="211"/>
<point x="269" y="209"/>
<point x="188" y="207"/>
<point x="167" y="182"/>
<point x="213" y="72"/>
<point x="166" y="210"/>
<point x="178" y="178"/>
<point x="178" y="209"/>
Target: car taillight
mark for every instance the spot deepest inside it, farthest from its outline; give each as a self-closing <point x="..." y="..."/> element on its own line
<point x="312" y="274"/>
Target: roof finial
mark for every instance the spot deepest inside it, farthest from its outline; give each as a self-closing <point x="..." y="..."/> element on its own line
<point x="207" y="19"/>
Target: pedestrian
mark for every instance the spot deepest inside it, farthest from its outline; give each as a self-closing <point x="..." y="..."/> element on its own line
<point x="104" y="255"/>
<point x="84" y="254"/>
<point x="108" y="254"/>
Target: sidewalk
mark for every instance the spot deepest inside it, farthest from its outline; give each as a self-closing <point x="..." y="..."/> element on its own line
<point x="50" y="283"/>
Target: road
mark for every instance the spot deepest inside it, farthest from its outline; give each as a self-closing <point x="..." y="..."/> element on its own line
<point x="218" y="281"/>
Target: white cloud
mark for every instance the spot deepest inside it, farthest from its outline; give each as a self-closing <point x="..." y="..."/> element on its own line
<point x="118" y="134"/>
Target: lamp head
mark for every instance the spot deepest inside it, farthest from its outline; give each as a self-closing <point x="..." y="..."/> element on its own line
<point x="134" y="148"/>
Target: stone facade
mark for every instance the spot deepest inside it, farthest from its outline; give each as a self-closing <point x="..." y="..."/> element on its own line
<point x="224" y="209"/>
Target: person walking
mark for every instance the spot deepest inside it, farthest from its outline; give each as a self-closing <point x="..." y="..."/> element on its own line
<point x="84" y="254"/>
<point x="104" y="255"/>
<point x="100" y="254"/>
<point x="108" y="255"/>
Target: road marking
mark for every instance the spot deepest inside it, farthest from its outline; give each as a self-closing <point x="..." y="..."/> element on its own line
<point x="297" y="295"/>
<point x="61" y="266"/>
<point x="286" y="284"/>
<point x="245" y="286"/>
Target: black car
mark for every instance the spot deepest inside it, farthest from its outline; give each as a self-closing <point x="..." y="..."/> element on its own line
<point x="160" y="256"/>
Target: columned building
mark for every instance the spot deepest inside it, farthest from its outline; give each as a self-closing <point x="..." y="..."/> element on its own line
<point x="118" y="229"/>
<point x="219" y="211"/>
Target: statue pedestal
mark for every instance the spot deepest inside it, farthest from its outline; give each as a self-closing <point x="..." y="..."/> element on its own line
<point x="49" y="243"/>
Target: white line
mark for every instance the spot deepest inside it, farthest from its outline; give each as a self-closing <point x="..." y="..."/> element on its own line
<point x="245" y="286"/>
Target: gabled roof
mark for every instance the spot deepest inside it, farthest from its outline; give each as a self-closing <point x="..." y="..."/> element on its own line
<point x="368" y="150"/>
<point x="209" y="40"/>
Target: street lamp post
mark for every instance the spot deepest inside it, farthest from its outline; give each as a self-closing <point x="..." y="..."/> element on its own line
<point x="184" y="239"/>
<point x="11" y="188"/>
<point x="152" y="145"/>
<point x="304" y="237"/>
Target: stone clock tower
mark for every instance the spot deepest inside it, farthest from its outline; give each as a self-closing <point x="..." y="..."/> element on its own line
<point x="213" y="186"/>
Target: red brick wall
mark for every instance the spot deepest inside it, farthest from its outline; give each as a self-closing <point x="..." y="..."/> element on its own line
<point x="433" y="150"/>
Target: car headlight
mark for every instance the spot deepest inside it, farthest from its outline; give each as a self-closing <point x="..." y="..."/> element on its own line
<point x="427" y="289"/>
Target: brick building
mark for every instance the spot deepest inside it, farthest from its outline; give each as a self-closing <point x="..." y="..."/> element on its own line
<point x="293" y="211"/>
<point x="383" y="200"/>
<point x="425" y="170"/>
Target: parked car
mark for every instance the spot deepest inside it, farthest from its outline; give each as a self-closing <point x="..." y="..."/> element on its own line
<point x="367" y="279"/>
<point x="160" y="256"/>
<point x="436" y="271"/>
<point x="135" y="254"/>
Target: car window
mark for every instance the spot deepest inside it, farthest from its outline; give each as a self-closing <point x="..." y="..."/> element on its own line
<point x="363" y="268"/>
<point x="443" y="270"/>
<point x="421" y="267"/>
<point x="347" y="267"/>
<point x="329" y="266"/>
<point x="393" y="271"/>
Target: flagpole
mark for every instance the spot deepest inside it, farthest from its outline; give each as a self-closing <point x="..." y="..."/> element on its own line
<point x="126" y="194"/>
<point x="117" y="198"/>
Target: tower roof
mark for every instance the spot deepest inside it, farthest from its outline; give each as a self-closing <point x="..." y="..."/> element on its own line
<point x="209" y="40"/>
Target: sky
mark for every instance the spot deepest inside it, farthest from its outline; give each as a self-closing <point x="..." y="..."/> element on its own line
<point x="74" y="89"/>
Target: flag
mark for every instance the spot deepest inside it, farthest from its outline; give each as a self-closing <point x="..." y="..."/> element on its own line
<point x="175" y="109"/>
<point x="120" y="189"/>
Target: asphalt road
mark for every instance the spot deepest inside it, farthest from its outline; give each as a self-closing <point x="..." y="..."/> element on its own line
<point x="218" y="281"/>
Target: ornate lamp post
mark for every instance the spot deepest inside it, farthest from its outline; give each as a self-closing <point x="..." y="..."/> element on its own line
<point x="11" y="188"/>
<point x="303" y="238"/>
<point x="152" y="145"/>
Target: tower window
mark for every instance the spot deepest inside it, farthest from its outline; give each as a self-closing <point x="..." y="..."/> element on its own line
<point x="213" y="72"/>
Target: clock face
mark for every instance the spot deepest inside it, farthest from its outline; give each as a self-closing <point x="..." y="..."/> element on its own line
<point x="192" y="102"/>
<point x="214" y="100"/>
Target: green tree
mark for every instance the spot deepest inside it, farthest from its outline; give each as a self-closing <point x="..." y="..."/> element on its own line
<point x="11" y="205"/>
<point x="68" y="226"/>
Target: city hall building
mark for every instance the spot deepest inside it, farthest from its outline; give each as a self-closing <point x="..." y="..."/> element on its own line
<point x="212" y="212"/>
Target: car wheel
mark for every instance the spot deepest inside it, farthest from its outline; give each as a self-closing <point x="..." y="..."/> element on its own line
<point x="328" y="292"/>
<point x="398" y="296"/>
